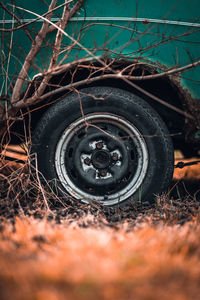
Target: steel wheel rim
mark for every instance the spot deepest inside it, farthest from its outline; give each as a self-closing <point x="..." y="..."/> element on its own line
<point x="136" y="138"/>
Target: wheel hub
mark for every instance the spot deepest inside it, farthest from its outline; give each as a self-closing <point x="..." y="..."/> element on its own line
<point x="101" y="159"/>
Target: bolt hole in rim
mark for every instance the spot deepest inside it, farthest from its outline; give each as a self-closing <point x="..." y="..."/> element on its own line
<point x="108" y="174"/>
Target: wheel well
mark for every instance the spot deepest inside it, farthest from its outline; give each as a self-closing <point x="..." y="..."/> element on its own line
<point x="162" y="87"/>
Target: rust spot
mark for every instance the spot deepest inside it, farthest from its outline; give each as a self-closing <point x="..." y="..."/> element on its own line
<point x="146" y="22"/>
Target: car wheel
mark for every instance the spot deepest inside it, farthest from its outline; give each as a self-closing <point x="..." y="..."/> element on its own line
<point x="104" y="144"/>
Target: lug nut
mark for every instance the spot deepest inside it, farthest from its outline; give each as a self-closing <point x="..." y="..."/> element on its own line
<point x="115" y="156"/>
<point x="99" y="145"/>
<point x="87" y="161"/>
<point x="103" y="173"/>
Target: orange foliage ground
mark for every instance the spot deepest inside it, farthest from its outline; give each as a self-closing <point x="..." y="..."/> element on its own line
<point x="190" y="172"/>
<point x="42" y="260"/>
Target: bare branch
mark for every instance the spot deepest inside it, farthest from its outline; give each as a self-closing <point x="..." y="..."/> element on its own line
<point x="74" y="9"/>
<point x="20" y="104"/>
<point x="17" y="19"/>
<point x="67" y="14"/>
<point x="33" y="21"/>
<point x="54" y="57"/>
<point x="34" y="49"/>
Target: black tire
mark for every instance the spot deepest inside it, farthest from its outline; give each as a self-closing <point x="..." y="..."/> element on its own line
<point x="125" y="154"/>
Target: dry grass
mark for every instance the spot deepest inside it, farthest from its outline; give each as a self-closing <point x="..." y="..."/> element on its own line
<point x="85" y="252"/>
